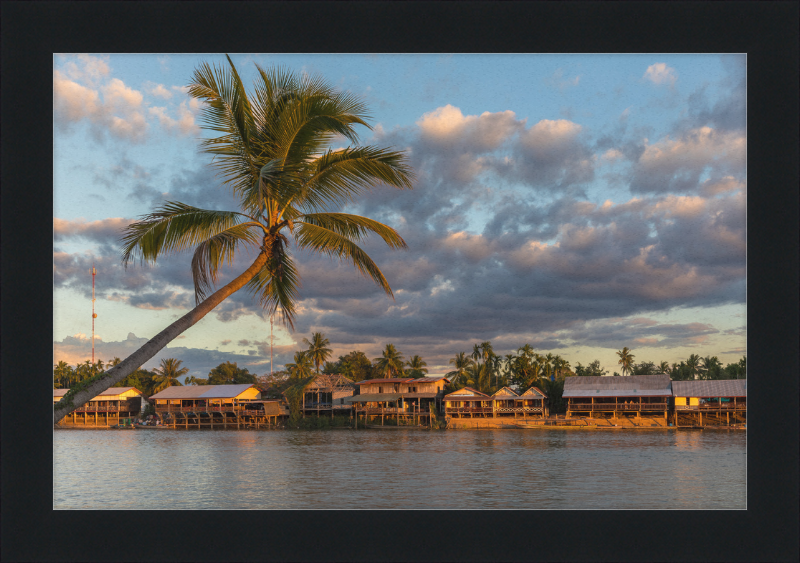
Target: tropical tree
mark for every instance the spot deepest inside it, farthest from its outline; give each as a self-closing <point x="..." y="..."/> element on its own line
<point x="625" y="360"/>
<point x="460" y="362"/>
<point x="416" y="367"/>
<point x="693" y="365"/>
<point x="318" y="349"/>
<point x="167" y="374"/>
<point x="663" y="367"/>
<point x="710" y="366"/>
<point x="272" y="149"/>
<point x="390" y="364"/>
<point x="301" y="367"/>
<point x="192" y="380"/>
<point x="62" y="375"/>
<point x="229" y="373"/>
<point x="355" y="366"/>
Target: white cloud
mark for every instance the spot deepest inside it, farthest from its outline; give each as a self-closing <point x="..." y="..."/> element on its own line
<point x="87" y="68"/>
<point x="660" y="73"/>
<point x="185" y="123"/>
<point x="117" y="113"/>
<point x="159" y="91"/>
<point x="447" y="125"/>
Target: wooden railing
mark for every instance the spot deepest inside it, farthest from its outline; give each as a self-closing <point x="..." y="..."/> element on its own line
<point x="468" y="410"/>
<point x="121" y="408"/>
<point x="617" y="406"/>
<point x="177" y="408"/>
<point x="518" y="409"/>
<point x="713" y="407"/>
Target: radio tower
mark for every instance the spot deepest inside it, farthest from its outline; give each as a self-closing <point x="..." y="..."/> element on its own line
<point x="271" y="338"/>
<point x="94" y="315"/>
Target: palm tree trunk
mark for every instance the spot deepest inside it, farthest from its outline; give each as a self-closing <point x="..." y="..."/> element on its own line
<point x="155" y="344"/>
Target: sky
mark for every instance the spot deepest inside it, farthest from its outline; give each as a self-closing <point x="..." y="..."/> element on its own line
<point x="576" y="203"/>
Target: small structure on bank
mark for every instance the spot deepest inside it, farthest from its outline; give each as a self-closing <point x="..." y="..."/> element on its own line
<point x="326" y="393"/>
<point x="534" y="402"/>
<point x="614" y="396"/>
<point x="105" y="409"/>
<point x="406" y="399"/>
<point x="719" y="402"/>
<point x="467" y="402"/>
<point x="213" y="406"/>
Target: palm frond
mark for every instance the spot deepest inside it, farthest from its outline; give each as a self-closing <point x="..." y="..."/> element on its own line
<point x="213" y="252"/>
<point x="354" y="227"/>
<point x="326" y="241"/>
<point x="278" y="293"/>
<point x="175" y="227"/>
<point x="337" y="177"/>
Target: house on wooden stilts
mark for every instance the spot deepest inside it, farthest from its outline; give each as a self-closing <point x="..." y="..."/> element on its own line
<point x="534" y="403"/>
<point x="325" y="394"/>
<point x="717" y="402"/>
<point x="212" y="406"/>
<point x="468" y="403"/>
<point x="402" y="401"/>
<point x="106" y="409"/>
<point x="632" y="396"/>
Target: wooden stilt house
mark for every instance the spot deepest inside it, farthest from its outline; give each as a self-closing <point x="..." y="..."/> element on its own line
<point x="721" y="402"/>
<point x="534" y="403"/>
<point x="506" y="402"/>
<point x="468" y="402"/>
<point x="212" y="406"/>
<point x="406" y="400"/>
<point x="326" y="394"/>
<point x="633" y="395"/>
<point x="104" y="410"/>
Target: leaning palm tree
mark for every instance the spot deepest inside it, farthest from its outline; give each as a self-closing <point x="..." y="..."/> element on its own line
<point x="625" y="360"/>
<point x="272" y="150"/>
<point x="318" y="349"/>
<point x="167" y="374"/>
<point x="390" y="363"/>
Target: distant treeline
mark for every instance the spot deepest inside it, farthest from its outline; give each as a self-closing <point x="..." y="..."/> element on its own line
<point x="482" y="369"/>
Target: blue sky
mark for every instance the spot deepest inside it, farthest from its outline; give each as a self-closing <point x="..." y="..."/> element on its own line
<point x="579" y="203"/>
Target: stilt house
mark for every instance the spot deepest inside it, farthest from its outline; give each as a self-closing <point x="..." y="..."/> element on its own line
<point x="326" y="394"/>
<point x="468" y="402"/>
<point x="534" y="402"/>
<point x="720" y="402"/>
<point x="191" y="406"/>
<point x="604" y="396"/>
<point x="401" y="397"/>
<point x="106" y="408"/>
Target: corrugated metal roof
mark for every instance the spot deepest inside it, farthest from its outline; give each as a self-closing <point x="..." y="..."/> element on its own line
<point x="534" y="391"/>
<point x="202" y="391"/>
<point x="472" y="392"/>
<point x="109" y="391"/>
<point x="712" y="388"/>
<point x="466" y="398"/>
<point x="388" y="380"/>
<point x="642" y="384"/>
<point x="505" y="392"/>
<point x="617" y="393"/>
<point x="373" y="398"/>
<point x="431" y="379"/>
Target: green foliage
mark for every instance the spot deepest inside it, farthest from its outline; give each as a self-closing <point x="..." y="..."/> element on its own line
<point x="594" y="369"/>
<point x="625" y="360"/>
<point x="355" y="366"/>
<point x="645" y="368"/>
<point x="555" y="392"/>
<point x="294" y="396"/>
<point x="66" y="400"/>
<point x="228" y="373"/>
<point x="390" y="364"/>
<point x="416" y="367"/>
<point x="318" y="350"/>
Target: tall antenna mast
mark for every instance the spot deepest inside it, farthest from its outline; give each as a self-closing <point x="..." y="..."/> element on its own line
<point x="271" y="339"/>
<point x="94" y="315"/>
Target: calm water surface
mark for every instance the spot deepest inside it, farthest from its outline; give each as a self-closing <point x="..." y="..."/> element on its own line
<point x="491" y="469"/>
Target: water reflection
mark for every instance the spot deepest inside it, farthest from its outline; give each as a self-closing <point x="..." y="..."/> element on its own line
<point x="542" y="469"/>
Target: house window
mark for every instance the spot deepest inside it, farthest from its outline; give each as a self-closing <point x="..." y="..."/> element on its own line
<point x="380" y="389"/>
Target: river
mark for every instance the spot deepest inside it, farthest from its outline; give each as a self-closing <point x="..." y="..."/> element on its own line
<point x="399" y="469"/>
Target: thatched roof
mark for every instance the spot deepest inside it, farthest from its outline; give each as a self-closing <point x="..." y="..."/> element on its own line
<point x="713" y="388"/>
